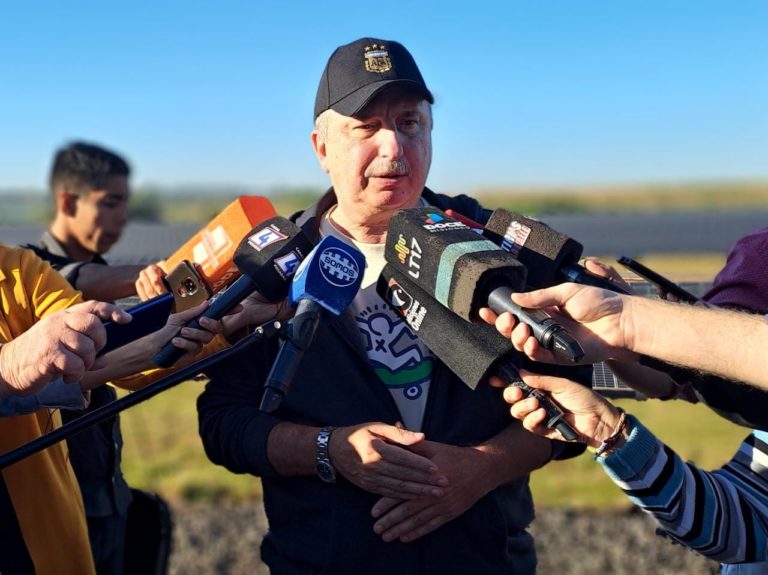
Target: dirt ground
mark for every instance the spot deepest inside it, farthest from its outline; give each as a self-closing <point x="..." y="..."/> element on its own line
<point x="224" y="540"/>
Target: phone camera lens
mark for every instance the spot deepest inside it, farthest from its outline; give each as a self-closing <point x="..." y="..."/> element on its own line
<point x="188" y="287"/>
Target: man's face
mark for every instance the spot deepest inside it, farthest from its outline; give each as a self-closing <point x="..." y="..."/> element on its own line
<point x="378" y="161"/>
<point x="99" y="216"/>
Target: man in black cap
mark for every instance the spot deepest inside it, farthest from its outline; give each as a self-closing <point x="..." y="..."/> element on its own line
<point x="379" y="460"/>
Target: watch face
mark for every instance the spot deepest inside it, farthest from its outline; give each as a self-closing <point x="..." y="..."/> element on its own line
<point x="326" y="471"/>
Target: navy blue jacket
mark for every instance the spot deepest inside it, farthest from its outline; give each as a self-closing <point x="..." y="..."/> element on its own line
<point x="316" y="527"/>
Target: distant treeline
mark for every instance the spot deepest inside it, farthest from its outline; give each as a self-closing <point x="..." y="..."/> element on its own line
<point x="176" y="206"/>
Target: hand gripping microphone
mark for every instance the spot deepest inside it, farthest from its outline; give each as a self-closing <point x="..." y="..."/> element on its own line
<point x="267" y="257"/>
<point x="550" y="257"/>
<point x="472" y="351"/>
<point x="327" y="280"/>
<point x="464" y="272"/>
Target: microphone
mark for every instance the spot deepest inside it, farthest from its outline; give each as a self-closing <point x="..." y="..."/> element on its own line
<point x="328" y="279"/>
<point x="464" y="272"/>
<point x="550" y="257"/>
<point x="212" y="248"/>
<point x="473" y="352"/>
<point x="267" y="257"/>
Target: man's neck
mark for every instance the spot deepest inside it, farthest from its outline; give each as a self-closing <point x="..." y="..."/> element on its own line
<point x="70" y="245"/>
<point x="365" y="230"/>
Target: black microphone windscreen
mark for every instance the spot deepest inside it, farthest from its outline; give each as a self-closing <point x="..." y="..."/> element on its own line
<point x="267" y="258"/>
<point x="449" y="261"/>
<point x="541" y="249"/>
<point x="270" y="254"/>
<point x="471" y="351"/>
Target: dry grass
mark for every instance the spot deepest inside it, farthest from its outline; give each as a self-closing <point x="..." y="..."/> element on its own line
<point x="710" y="196"/>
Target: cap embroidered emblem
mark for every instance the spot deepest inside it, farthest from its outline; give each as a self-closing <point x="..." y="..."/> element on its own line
<point x="377" y="58"/>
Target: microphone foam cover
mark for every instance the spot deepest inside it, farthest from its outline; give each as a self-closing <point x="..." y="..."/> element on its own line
<point x="541" y="249"/>
<point x="471" y="351"/>
<point x="270" y="254"/>
<point x="475" y="275"/>
<point x="447" y="260"/>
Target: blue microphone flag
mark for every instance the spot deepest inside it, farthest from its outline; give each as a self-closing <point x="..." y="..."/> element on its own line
<point x="330" y="275"/>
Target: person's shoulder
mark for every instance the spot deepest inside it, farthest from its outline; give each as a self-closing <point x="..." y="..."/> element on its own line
<point x="757" y="241"/>
<point x="18" y="257"/>
<point x="33" y="271"/>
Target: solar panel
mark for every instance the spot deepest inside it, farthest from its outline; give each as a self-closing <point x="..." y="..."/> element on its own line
<point x="608" y="385"/>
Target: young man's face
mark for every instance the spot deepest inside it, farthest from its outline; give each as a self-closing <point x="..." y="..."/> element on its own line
<point x="100" y="215"/>
<point x="378" y="161"/>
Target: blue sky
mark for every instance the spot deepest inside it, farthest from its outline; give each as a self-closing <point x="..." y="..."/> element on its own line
<point x="527" y="91"/>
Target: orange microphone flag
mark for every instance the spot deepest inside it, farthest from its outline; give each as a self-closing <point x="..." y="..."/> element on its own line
<point x="212" y="248"/>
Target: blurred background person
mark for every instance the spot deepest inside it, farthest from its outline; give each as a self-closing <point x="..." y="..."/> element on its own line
<point x="90" y="191"/>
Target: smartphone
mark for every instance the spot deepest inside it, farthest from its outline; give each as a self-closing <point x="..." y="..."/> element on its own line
<point x="658" y="280"/>
<point x="187" y="286"/>
<point x="147" y="317"/>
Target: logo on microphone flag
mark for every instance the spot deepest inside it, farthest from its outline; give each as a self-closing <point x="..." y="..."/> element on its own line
<point x="287" y="264"/>
<point x="437" y="223"/>
<point x="515" y="237"/>
<point x="266" y="237"/>
<point x="410" y="310"/>
<point x="338" y="267"/>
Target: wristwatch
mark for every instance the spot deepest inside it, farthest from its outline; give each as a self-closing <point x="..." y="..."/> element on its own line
<point x="323" y="465"/>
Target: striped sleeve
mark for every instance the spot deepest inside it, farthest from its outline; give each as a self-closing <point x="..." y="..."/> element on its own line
<point x="721" y="514"/>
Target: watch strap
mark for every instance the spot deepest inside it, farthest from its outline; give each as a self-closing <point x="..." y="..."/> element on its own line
<point x="323" y="465"/>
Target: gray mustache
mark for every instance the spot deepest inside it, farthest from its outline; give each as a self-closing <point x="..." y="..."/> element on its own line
<point x="387" y="169"/>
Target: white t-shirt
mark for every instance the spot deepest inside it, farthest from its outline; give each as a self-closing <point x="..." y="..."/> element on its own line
<point x="402" y="362"/>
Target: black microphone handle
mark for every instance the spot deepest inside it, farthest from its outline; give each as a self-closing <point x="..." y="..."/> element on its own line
<point x="546" y="330"/>
<point x="299" y="334"/>
<point x="555" y="415"/>
<point x="220" y="304"/>
<point x="113" y="408"/>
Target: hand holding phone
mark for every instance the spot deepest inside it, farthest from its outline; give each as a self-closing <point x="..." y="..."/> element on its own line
<point x="146" y="318"/>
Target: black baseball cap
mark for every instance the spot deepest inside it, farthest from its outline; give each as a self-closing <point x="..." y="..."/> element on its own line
<point x="356" y="72"/>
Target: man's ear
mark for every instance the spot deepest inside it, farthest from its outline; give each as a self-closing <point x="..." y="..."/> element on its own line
<point x="66" y="203"/>
<point x="318" y="145"/>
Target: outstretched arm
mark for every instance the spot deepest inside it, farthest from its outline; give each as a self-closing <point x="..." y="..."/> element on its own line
<point x="721" y="514"/>
<point x="107" y="283"/>
<point x="136" y="356"/>
<point x="62" y="345"/>
<point x="611" y="325"/>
